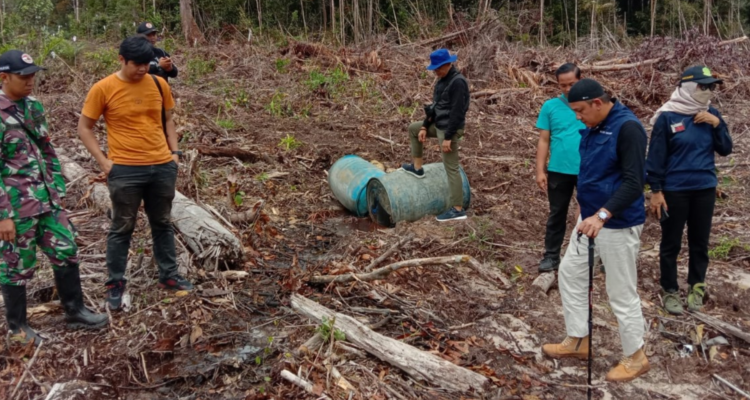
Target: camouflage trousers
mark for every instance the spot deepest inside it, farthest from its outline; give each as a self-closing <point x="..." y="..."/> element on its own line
<point x="51" y="232"/>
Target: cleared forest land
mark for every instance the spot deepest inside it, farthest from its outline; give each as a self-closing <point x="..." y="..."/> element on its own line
<point x="262" y="123"/>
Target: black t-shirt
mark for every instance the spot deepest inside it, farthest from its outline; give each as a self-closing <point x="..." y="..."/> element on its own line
<point x="631" y="152"/>
<point x="155" y="69"/>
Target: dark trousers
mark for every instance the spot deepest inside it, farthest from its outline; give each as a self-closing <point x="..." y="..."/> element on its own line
<point x="128" y="186"/>
<point x="559" y="191"/>
<point x="696" y="208"/>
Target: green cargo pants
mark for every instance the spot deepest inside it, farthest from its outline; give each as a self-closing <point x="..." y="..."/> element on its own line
<point x="51" y="232"/>
<point x="450" y="160"/>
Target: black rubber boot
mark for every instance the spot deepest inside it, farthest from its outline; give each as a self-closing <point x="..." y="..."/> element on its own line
<point x="15" y="314"/>
<point x="68" y="281"/>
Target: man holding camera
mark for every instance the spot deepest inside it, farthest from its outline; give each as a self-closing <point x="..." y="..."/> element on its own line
<point x="161" y="65"/>
<point x="445" y="121"/>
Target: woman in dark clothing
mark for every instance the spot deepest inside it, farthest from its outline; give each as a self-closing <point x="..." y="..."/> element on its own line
<point x="682" y="175"/>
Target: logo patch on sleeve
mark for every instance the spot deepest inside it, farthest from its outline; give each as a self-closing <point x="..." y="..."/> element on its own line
<point x="678" y="127"/>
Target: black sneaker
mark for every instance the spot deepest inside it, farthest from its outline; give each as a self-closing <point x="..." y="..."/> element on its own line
<point x="114" y="295"/>
<point x="549" y="264"/>
<point x="175" y="283"/>
<point x="452" y="215"/>
<point x="409" y="168"/>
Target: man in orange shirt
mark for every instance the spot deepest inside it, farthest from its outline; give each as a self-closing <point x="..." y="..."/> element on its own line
<point x="142" y="161"/>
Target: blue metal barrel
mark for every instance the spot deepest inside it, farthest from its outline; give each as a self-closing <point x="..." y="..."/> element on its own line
<point x="348" y="179"/>
<point x="399" y="196"/>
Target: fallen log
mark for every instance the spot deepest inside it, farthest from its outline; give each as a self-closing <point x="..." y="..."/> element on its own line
<point x="383" y="272"/>
<point x="614" y="67"/>
<point x="610" y="62"/>
<point x="449" y="36"/>
<point x="618" y="67"/>
<point x="733" y="41"/>
<point x="418" y="364"/>
<point x="99" y="194"/>
<point x="240" y="154"/>
<point x="722" y="326"/>
<point x="205" y="236"/>
<point x="545" y="281"/>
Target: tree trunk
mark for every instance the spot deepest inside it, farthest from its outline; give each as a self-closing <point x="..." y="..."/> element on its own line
<point x="541" y="21"/>
<point x="706" y="16"/>
<point x="190" y="30"/>
<point x="593" y="22"/>
<point x="575" y="23"/>
<point x="653" y="16"/>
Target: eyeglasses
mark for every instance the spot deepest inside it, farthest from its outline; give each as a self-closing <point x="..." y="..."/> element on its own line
<point x="709" y="86"/>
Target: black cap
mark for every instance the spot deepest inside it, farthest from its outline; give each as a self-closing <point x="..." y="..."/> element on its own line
<point x="699" y="74"/>
<point x="145" y="28"/>
<point x="18" y="62"/>
<point x="585" y="89"/>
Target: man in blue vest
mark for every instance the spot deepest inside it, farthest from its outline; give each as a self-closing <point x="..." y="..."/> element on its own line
<point x="610" y="194"/>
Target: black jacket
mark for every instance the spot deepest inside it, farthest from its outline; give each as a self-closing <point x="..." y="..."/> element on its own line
<point x="451" y="101"/>
<point x="155" y="69"/>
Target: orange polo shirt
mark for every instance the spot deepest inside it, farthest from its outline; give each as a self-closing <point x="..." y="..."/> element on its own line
<point x="132" y="111"/>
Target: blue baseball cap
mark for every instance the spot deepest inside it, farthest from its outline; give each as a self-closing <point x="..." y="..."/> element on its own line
<point x="440" y="57"/>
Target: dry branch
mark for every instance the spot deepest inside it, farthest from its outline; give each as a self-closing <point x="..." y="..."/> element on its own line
<point x="447" y="37"/>
<point x="28" y="367"/>
<point x="735" y="388"/>
<point x="733" y="41"/>
<point x="545" y="281"/>
<point x="240" y="154"/>
<point x="620" y="67"/>
<point x="722" y="326"/>
<point x="418" y="364"/>
<point x="616" y="67"/>
<point x="388" y="253"/>
<point x="382" y="272"/>
<point x="248" y="216"/>
<point x="301" y="383"/>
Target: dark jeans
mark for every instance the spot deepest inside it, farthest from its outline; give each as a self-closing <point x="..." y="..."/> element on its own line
<point x="155" y="186"/>
<point x="696" y="208"/>
<point x="559" y="191"/>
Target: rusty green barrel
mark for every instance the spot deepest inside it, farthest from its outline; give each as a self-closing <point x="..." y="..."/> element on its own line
<point x="399" y="196"/>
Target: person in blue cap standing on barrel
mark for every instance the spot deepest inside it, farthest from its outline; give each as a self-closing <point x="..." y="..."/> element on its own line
<point x="445" y="121"/>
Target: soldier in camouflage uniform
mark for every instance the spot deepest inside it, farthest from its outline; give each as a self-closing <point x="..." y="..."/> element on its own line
<point x="31" y="211"/>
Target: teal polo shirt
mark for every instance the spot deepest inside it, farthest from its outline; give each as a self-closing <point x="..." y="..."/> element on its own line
<point x="559" y="119"/>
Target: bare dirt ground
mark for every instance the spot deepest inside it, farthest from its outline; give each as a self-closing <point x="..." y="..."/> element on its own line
<point x="229" y="339"/>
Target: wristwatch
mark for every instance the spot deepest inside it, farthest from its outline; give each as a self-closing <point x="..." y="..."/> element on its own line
<point x="178" y="153"/>
<point x="602" y="215"/>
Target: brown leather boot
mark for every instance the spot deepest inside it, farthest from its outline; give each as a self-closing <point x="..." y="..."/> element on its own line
<point x="570" y="348"/>
<point x="629" y="368"/>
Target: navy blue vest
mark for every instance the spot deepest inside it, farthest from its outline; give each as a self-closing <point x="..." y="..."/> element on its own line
<point x="600" y="174"/>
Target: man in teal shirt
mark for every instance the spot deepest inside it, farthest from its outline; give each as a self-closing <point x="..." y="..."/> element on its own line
<point x="559" y="138"/>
